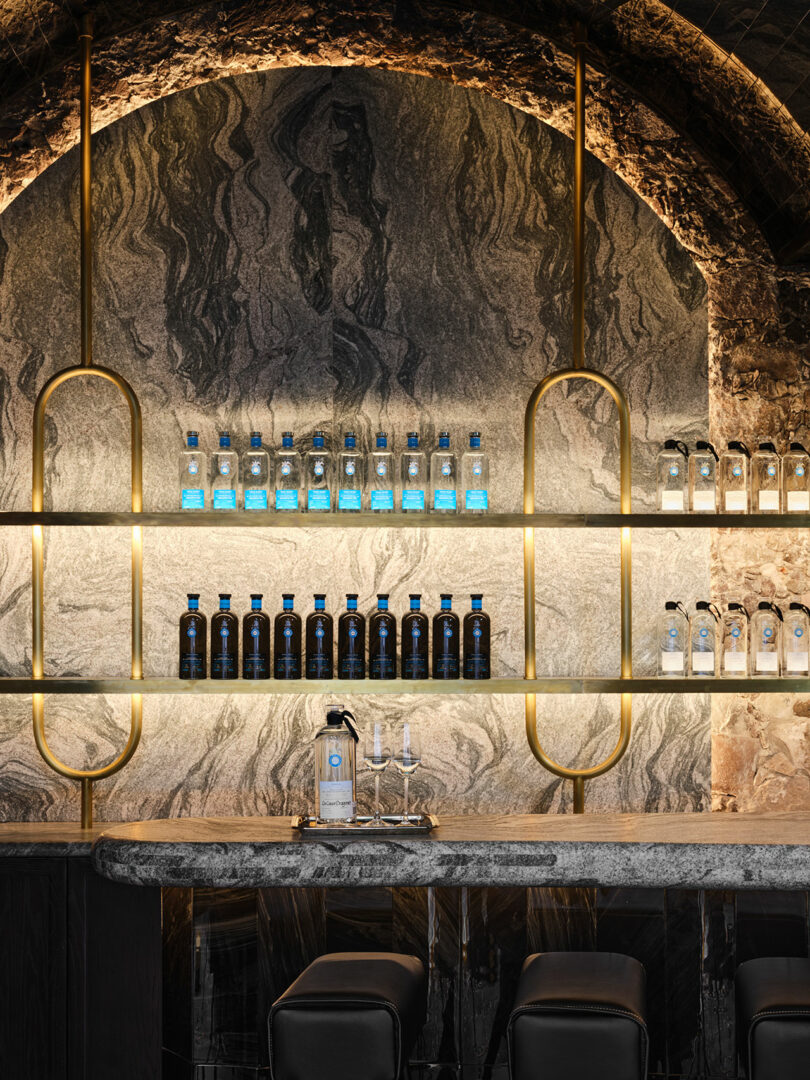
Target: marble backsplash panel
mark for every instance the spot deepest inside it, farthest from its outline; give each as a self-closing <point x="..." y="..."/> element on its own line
<point x="343" y="249"/>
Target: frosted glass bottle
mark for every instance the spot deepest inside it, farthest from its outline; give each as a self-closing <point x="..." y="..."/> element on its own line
<point x="351" y="480"/>
<point x="703" y="639"/>
<point x="734" y="648"/>
<point x="382" y="476"/>
<point x="225" y="475"/>
<point x="766" y="480"/>
<point x="673" y="636"/>
<point x="413" y="476"/>
<point x="672" y="476"/>
<point x="796" y="480"/>
<point x="443" y="477"/>
<point x="288" y="474"/>
<point x="193" y="473"/>
<point x="766" y="640"/>
<point x="318" y="472"/>
<point x="796" y="640"/>
<point x="734" y="479"/>
<point x="256" y="483"/>
<point x="475" y="476"/>
<point x="703" y="479"/>
<point x="336" y="768"/>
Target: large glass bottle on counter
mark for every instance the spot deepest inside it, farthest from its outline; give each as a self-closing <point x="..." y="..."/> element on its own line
<point x="336" y="768"/>
<point x="287" y="640"/>
<point x="224" y="641"/>
<point x="351" y="641"/>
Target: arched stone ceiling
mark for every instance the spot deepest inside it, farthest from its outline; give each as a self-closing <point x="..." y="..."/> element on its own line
<point x="733" y="77"/>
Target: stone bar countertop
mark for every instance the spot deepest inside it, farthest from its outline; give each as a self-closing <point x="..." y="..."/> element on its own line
<point x="43" y="839"/>
<point x="689" y="851"/>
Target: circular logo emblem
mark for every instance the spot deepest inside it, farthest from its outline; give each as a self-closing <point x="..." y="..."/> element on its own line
<point x="317" y="468"/>
<point x="191" y="632"/>
<point x="225" y="467"/>
<point x="382" y="468"/>
<point x="287" y="631"/>
<point x="224" y="631"/>
<point x="446" y="469"/>
<point x="350" y="467"/>
<point x="255" y="467"/>
<point x="319" y="632"/>
<point x="477" y="468"/>
<point x="674" y="470"/>
<point x="736" y="470"/>
<point x="286" y="468"/>
<point x="416" y="632"/>
<point x="413" y="468"/>
<point x="254" y="633"/>
<point x="335" y="760"/>
<point x="767" y="632"/>
<point x="673" y="632"/>
<point x="352" y="632"/>
<point x="383" y="632"/>
<point x="477" y="632"/>
<point x="193" y="467"/>
<point x="705" y="469"/>
<point x="798" y="471"/>
<point x="704" y="631"/>
<point x="448" y="631"/>
<point x="771" y="470"/>
<point x="735" y="633"/>
<point x="798" y="632"/>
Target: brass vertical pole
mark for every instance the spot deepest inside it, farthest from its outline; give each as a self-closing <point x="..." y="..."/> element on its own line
<point x="86" y="208"/>
<point x="580" y="38"/>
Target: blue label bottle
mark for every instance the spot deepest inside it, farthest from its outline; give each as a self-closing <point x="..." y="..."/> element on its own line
<point x="287" y="641"/>
<point x="193" y="644"/>
<point x="224" y="641"/>
<point x="445" y="640"/>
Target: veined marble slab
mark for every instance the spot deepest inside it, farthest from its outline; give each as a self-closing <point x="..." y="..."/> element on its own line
<point x="682" y="851"/>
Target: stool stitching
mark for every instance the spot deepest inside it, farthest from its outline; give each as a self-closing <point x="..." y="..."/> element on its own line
<point x="764" y="1014"/>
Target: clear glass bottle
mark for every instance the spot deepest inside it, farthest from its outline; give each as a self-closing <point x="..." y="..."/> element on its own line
<point x="734" y="649"/>
<point x="703" y="479"/>
<point x="288" y="474"/>
<point x="766" y="640"/>
<point x="336" y="768"/>
<point x="475" y="476"/>
<point x="351" y="480"/>
<point x="225" y="475"/>
<point x="734" y="469"/>
<point x="766" y="480"/>
<point x="796" y="640"/>
<point x="193" y="473"/>
<point x="256" y="483"/>
<point x="672" y="472"/>
<point x="318" y="470"/>
<point x="381" y="477"/>
<point x="413" y="476"/>
<point x="673" y="635"/>
<point x="443" y="477"/>
<point x="703" y="639"/>
<point x="796" y="480"/>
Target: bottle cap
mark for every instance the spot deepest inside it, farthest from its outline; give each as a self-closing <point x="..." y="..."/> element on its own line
<point x="413" y="440"/>
<point x="702" y="605"/>
<point x="768" y="446"/>
<point x="740" y="447"/>
<point x="224" y="601"/>
<point x="320" y="601"/>
<point x="350" y="440"/>
<point x="336" y="716"/>
<point x="224" y="438"/>
<point x="382" y="601"/>
<point x="287" y="439"/>
<point x="444" y="440"/>
<point x="193" y="601"/>
<point x="192" y="439"/>
<point x="351" y="601"/>
<point x="671" y="605"/>
<point x="734" y="606"/>
<point x="476" y="599"/>
<point x="701" y="444"/>
<point x="287" y="601"/>
<point x="676" y="444"/>
<point x="255" y="438"/>
<point x="416" y="601"/>
<point x="798" y="447"/>
<point x="475" y="440"/>
<point x="447" y="600"/>
<point x="317" y="440"/>
<point x="256" y="601"/>
<point x="382" y="440"/>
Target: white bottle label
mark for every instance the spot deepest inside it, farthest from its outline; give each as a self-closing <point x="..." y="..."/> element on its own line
<point x="769" y="500"/>
<point x="767" y="661"/>
<point x="735" y="661"/>
<point x="736" y="501"/>
<point x="798" y="502"/>
<point x="703" y="500"/>
<point x="336" y="801"/>
<point x="672" y="661"/>
<point x="672" y="500"/>
<point x="703" y="662"/>
<point x="796" y="663"/>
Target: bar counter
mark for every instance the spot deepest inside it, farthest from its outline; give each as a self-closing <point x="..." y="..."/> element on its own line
<point x="687" y="851"/>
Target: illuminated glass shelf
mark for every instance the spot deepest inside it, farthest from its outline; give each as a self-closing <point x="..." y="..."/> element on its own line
<point x="206" y="519"/>
<point x="336" y="687"/>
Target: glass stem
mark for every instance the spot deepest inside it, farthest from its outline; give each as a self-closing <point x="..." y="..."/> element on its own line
<point x="377" y="797"/>
<point x="407" y="782"/>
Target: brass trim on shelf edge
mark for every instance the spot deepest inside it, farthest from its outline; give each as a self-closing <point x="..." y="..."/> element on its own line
<point x="85" y="777"/>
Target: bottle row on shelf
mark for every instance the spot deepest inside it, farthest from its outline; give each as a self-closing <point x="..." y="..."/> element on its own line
<point x="733" y="644"/>
<point x="313" y="642"/>
<point x="735" y="481"/>
<point x="349" y="481"/>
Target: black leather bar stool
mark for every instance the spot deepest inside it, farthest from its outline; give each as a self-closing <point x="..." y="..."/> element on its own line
<point x="579" y="1016"/>
<point x="349" y="1016"/>
<point x="773" y="1018"/>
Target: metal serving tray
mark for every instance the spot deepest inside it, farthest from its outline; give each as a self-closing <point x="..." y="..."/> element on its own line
<point x="392" y="825"/>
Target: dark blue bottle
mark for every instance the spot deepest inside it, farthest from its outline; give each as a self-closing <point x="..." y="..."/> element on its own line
<point x="351" y="641"/>
<point x="256" y="641"/>
<point x="476" y="640"/>
<point x="287" y="641"/>
<point x="224" y="641"/>
<point x="193" y="645"/>
<point x="445" y="640"/>
<point x="319" y="637"/>
<point x="382" y="641"/>
<point x="415" y="641"/>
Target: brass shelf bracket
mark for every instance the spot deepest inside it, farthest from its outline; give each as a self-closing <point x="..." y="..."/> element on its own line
<point x="86" y="777"/>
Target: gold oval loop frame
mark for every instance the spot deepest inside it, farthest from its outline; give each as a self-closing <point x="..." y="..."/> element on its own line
<point x="87" y="777"/>
<point x="577" y="776"/>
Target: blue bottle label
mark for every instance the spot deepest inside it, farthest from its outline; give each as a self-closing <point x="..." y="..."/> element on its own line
<point x="256" y="500"/>
<point x="349" y="500"/>
<point x="413" y="500"/>
<point x="193" y="499"/>
<point x="444" y="499"/>
<point x="476" y="500"/>
<point x="382" y="500"/>
<point x="225" y="499"/>
<point x="286" y="500"/>
<point x="318" y="499"/>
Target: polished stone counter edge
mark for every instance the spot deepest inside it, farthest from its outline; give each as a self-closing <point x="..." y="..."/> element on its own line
<point x="47" y="839"/>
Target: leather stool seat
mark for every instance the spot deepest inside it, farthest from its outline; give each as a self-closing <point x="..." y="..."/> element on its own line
<point x="349" y="1016"/>
<point x="773" y="1017"/>
<point x="579" y="1016"/>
